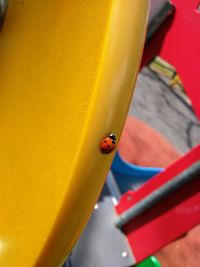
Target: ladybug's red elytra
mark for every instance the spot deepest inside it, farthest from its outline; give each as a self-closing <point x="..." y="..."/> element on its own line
<point x="108" y="144"/>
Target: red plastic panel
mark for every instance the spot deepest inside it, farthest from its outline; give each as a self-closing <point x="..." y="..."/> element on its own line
<point x="169" y="219"/>
<point x="178" y="42"/>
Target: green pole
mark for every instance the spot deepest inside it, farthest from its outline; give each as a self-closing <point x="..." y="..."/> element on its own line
<point x="150" y="262"/>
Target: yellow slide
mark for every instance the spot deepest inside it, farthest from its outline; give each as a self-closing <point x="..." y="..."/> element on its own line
<point x="67" y="70"/>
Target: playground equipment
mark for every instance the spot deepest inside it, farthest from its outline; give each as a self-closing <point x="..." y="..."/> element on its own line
<point x="177" y="211"/>
<point x="67" y="75"/>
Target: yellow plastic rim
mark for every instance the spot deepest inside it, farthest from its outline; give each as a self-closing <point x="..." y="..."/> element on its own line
<point x="67" y="71"/>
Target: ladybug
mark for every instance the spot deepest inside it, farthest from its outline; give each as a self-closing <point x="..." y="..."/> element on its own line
<point x="108" y="144"/>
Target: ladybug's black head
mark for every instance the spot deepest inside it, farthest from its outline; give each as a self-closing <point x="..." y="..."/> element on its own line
<point x="113" y="137"/>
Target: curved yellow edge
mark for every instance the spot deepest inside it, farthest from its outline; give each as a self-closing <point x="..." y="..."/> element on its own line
<point x="67" y="71"/>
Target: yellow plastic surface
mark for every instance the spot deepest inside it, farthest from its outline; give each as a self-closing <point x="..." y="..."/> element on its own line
<point x="67" y="70"/>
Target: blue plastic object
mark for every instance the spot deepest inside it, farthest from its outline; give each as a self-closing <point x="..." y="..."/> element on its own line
<point x="129" y="176"/>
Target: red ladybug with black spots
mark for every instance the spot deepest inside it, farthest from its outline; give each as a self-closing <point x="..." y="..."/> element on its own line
<point x="108" y="144"/>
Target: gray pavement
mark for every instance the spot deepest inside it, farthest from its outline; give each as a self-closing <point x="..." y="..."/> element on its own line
<point x="155" y="103"/>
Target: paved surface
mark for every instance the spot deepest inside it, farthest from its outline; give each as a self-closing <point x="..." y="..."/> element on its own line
<point x="155" y="103"/>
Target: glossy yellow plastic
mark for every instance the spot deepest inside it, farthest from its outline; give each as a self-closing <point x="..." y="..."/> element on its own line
<point x="67" y="71"/>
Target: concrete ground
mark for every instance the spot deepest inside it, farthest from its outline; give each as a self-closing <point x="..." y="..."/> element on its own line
<point x="155" y="103"/>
